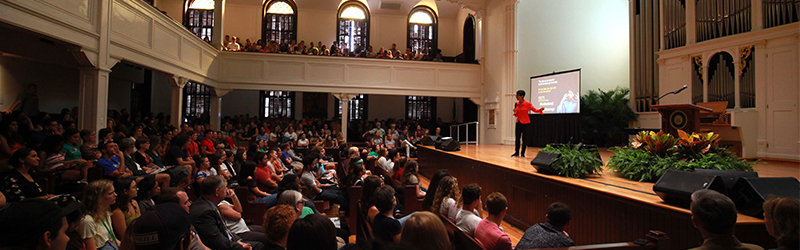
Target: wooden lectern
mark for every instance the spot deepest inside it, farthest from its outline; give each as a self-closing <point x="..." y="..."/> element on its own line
<point x="685" y="117"/>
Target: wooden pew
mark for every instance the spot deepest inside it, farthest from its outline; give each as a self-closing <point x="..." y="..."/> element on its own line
<point x="459" y="239"/>
<point x="386" y="176"/>
<point x="252" y="212"/>
<point x="410" y="201"/>
<point x="354" y="194"/>
<point x="655" y="240"/>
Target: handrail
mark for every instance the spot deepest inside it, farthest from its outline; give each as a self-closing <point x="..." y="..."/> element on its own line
<point x="457" y="135"/>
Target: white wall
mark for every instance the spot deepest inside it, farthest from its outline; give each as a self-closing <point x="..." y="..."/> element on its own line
<point x="494" y="33"/>
<point x="570" y="34"/>
<point x="58" y="88"/>
<point x="240" y="102"/>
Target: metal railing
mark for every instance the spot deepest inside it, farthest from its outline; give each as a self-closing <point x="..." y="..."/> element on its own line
<point x="457" y="134"/>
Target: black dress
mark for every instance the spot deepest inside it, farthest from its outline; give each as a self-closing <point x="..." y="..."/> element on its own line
<point x="16" y="187"/>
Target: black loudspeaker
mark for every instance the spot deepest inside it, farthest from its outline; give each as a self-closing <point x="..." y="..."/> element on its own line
<point x="449" y="144"/>
<point x="429" y="140"/>
<point x="729" y="177"/>
<point x="749" y="193"/>
<point x="543" y="160"/>
<point x="676" y="187"/>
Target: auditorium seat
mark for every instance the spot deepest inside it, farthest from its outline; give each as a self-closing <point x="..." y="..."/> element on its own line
<point x="410" y="201"/>
<point x="354" y="193"/>
<point x="386" y="176"/>
<point x="459" y="239"/>
<point x="252" y="212"/>
<point x="656" y="240"/>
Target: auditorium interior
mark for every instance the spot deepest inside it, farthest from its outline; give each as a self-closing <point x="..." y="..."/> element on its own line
<point x="170" y="57"/>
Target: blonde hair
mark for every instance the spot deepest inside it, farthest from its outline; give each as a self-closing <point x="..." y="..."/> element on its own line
<point x="92" y="196"/>
<point x="425" y="231"/>
<point x="448" y="188"/>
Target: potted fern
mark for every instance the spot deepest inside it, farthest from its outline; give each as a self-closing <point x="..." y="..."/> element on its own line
<point x="605" y="115"/>
<point x="574" y="161"/>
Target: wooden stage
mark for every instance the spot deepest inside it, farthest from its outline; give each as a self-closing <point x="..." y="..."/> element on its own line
<point x="605" y="208"/>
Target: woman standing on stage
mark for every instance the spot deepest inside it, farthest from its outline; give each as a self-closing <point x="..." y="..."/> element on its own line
<point x="523" y="125"/>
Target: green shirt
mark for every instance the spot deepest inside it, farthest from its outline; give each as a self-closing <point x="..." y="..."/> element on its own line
<point x="306" y="211"/>
<point x="73" y="152"/>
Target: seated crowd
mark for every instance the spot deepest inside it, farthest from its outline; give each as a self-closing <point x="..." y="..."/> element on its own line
<point x="178" y="188"/>
<point x="320" y="49"/>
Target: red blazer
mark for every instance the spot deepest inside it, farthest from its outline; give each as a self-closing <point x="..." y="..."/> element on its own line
<point x="521" y="111"/>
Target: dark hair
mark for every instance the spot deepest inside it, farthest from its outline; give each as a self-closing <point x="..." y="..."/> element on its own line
<point x="318" y="226"/>
<point x="371" y="183"/>
<point x="211" y="184"/>
<point x="169" y="194"/>
<point x="383" y="198"/>
<point x="284" y="146"/>
<point x="180" y="140"/>
<point x="496" y="203"/>
<point x="69" y="132"/>
<point x="437" y="176"/>
<point x="28" y="237"/>
<point x="16" y="159"/>
<point x="409" y="169"/>
<point x="521" y="92"/>
<point x="52" y="144"/>
<point x="559" y="214"/>
<point x="125" y="144"/>
<point x="470" y="193"/>
<point x="715" y="212"/>
<point x="308" y="160"/>
<point x="141" y="140"/>
<point x="85" y="133"/>
<point x="120" y="185"/>
<point x="145" y="185"/>
<point x="103" y="132"/>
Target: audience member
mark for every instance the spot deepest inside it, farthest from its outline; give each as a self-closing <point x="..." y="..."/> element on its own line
<point x="469" y="216"/>
<point x="384" y="226"/>
<point x="96" y="228"/>
<point x="232" y="215"/>
<point x="316" y="190"/>
<point x="432" y="187"/>
<point x="551" y="233"/>
<point x="34" y="224"/>
<point x="19" y="183"/>
<point x="488" y="233"/>
<point x="425" y="231"/>
<point x="782" y="218"/>
<point x="447" y="196"/>
<point x="208" y="221"/>
<point x="278" y="221"/>
<point x="125" y="209"/>
<point x="203" y="169"/>
<point x="714" y="215"/>
<point x="295" y="199"/>
<point x="264" y="174"/>
<point x="148" y="189"/>
<point x="411" y="177"/>
<point x="166" y="226"/>
<point x="111" y="162"/>
<point x="312" y="232"/>
<point x="367" y="208"/>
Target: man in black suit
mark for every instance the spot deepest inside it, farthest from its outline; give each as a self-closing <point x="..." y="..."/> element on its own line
<point x="208" y="220"/>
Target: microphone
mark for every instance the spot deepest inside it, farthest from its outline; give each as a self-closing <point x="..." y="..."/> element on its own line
<point x="681" y="89"/>
<point x="673" y="92"/>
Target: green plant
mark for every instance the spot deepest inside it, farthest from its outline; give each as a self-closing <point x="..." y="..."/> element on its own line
<point x="605" y="115"/>
<point x="660" y="143"/>
<point x="573" y="162"/>
<point x="696" y="144"/>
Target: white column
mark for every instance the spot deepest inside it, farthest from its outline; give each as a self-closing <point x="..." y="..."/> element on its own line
<point x="345" y="98"/>
<point x="176" y="107"/>
<point x="93" y="98"/>
<point x="217" y="33"/>
<point x="691" y="22"/>
<point x="510" y="70"/>
<point x="757" y="15"/>
<point x="216" y="107"/>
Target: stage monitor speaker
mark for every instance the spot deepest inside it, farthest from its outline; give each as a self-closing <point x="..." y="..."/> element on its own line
<point x="749" y="193"/>
<point x="676" y="187"/>
<point x="429" y="140"/>
<point x="543" y="160"/>
<point x="449" y="144"/>
<point x="729" y="177"/>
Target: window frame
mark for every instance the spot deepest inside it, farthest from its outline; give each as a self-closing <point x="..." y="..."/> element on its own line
<point x="364" y="110"/>
<point x="289" y="98"/>
<point x="431" y="105"/>
<point x="339" y="19"/>
<point x="202" y="13"/>
<point x="192" y="92"/>
<point x="435" y="25"/>
<point x="264" y="15"/>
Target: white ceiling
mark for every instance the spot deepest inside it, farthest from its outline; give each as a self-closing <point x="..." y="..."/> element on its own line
<point x="446" y="9"/>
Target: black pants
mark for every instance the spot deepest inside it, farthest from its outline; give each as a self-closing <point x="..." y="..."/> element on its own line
<point x="522" y="133"/>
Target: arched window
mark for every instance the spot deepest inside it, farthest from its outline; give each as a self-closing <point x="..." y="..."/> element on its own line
<point x="196" y="102"/>
<point x="423" y="30"/>
<point x="353" y="26"/>
<point x="280" y="21"/>
<point x="199" y="18"/>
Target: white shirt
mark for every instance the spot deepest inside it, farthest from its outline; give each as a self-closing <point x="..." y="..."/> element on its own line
<point x="450" y="208"/>
<point x="236" y="227"/>
<point x="467" y="221"/>
<point x="386" y="164"/>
